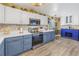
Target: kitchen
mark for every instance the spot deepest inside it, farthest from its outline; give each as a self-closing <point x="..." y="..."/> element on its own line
<point x="22" y="31"/>
<point x="39" y="29"/>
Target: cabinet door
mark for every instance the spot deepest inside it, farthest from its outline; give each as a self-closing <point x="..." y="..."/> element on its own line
<point x="37" y="16"/>
<point x="25" y="18"/>
<point x="2" y="49"/>
<point x="31" y="15"/>
<point x="44" y="20"/>
<point x="61" y="32"/>
<point x="48" y="36"/>
<point x="1" y="14"/>
<point x="45" y="37"/>
<point x="75" y="34"/>
<point x="52" y="35"/>
<point x="12" y="16"/>
<point x="27" y="44"/>
<point x="14" y="48"/>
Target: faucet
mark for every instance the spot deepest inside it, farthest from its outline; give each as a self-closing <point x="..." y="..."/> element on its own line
<point x="69" y="27"/>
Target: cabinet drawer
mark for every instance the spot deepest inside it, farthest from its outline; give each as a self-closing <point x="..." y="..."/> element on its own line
<point x="45" y="32"/>
<point x="27" y="36"/>
<point x="13" y="38"/>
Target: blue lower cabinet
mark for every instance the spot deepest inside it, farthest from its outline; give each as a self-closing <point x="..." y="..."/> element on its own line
<point x="45" y="38"/>
<point x="75" y="35"/>
<point x="2" y="49"/>
<point x="52" y="35"/>
<point x="13" y="47"/>
<point x="48" y="36"/>
<point x="63" y="32"/>
<point x="70" y="33"/>
<point x="27" y="44"/>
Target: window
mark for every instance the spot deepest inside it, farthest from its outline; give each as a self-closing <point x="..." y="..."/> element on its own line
<point x="70" y="19"/>
<point x="66" y="19"/>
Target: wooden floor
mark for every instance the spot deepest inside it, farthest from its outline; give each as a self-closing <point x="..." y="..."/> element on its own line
<point x="61" y="47"/>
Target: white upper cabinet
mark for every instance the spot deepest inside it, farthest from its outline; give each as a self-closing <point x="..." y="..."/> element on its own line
<point x="12" y="15"/>
<point x="43" y="20"/>
<point x="1" y="14"/>
<point x="37" y="16"/>
<point x="25" y="18"/>
<point x="32" y="15"/>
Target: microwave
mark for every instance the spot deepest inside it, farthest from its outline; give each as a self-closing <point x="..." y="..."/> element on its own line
<point x="34" y="22"/>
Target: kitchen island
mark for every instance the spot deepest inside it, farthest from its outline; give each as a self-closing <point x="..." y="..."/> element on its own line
<point x="15" y="44"/>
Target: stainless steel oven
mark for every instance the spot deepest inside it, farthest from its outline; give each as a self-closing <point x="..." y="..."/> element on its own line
<point x="37" y="38"/>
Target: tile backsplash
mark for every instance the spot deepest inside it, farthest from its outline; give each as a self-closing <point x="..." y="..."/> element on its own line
<point x="71" y="26"/>
<point x="6" y="29"/>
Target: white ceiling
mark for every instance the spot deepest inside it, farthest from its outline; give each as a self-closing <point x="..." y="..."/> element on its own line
<point x="53" y="8"/>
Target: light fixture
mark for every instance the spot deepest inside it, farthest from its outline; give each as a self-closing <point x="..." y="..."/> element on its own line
<point x="36" y="4"/>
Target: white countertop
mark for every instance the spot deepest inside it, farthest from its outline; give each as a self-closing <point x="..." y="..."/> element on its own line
<point x="46" y="30"/>
<point x="13" y="34"/>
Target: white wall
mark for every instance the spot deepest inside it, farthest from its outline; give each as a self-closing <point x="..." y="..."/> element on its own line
<point x="69" y="10"/>
<point x="62" y="10"/>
